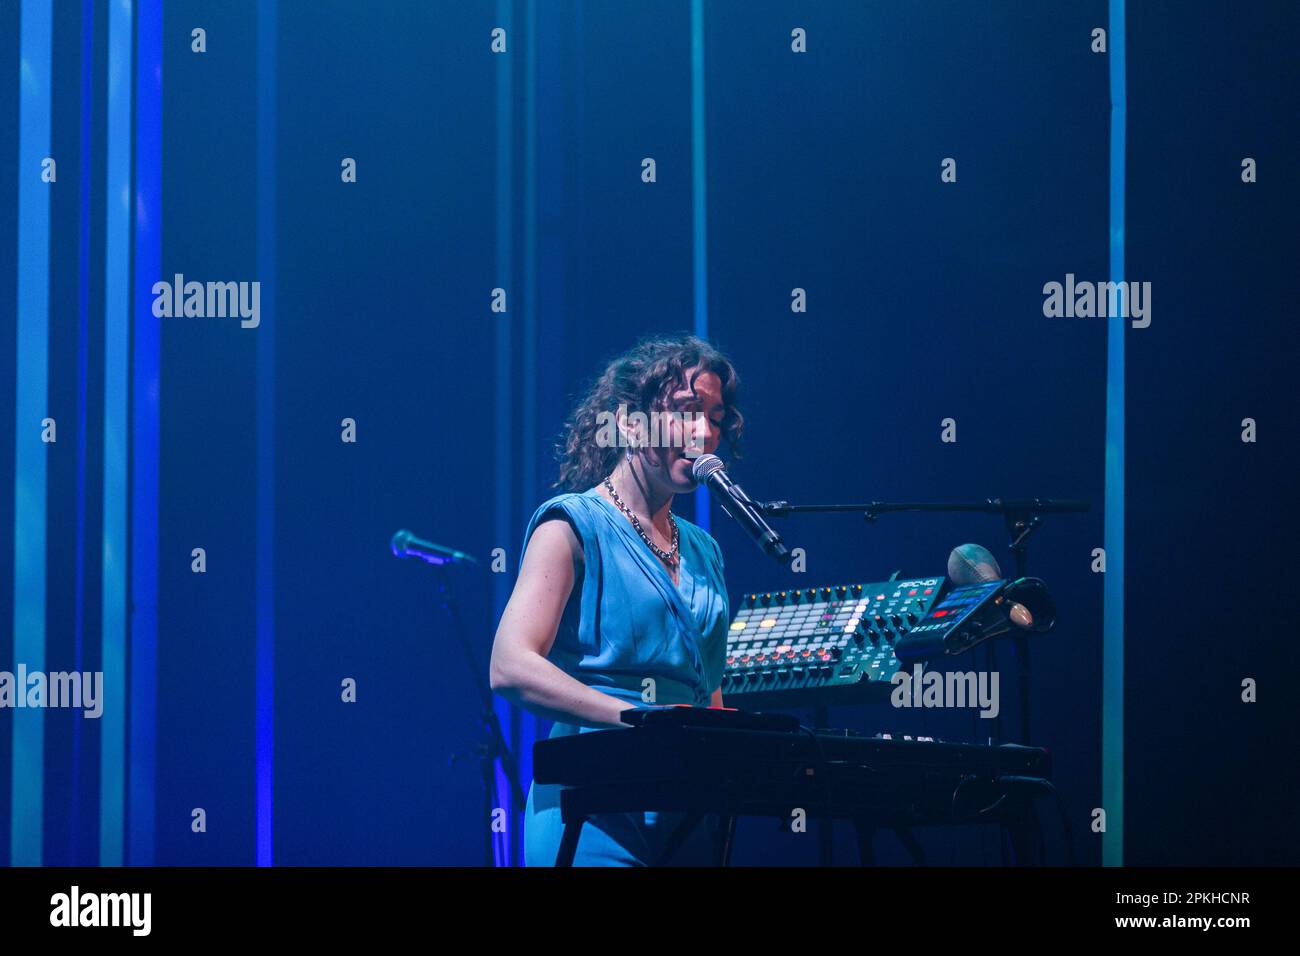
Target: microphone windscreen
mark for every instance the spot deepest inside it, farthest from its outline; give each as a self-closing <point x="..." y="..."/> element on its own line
<point x="972" y="564"/>
<point x="704" y="466"/>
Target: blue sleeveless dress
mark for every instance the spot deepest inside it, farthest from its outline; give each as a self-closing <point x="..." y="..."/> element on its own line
<point x="627" y="624"/>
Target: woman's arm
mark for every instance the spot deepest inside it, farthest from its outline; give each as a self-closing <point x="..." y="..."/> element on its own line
<point x="519" y="670"/>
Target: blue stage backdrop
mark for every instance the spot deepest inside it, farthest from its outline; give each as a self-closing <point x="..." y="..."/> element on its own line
<point x="438" y="222"/>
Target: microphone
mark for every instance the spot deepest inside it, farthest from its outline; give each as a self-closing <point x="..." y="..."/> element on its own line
<point x="709" y="471"/>
<point x="407" y="545"/>
<point x="973" y="564"/>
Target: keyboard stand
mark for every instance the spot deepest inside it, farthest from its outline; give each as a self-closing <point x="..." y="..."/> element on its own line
<point x="1016" y="813"/>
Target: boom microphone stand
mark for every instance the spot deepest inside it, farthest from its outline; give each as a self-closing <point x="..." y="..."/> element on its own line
<point x="492" y="746"/>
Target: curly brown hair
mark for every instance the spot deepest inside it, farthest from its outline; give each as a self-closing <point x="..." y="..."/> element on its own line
<point x="643" y="379"/>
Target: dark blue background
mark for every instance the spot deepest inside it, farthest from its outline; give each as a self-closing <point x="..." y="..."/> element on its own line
<point x="924" y="302"/>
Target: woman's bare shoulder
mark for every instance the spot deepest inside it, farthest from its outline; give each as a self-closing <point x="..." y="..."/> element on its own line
<point x="556" y="530"/>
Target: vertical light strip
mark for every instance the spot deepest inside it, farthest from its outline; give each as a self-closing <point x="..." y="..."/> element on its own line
<point x="117" y="366"/>
<point x="523" y="725"/>
<point x="503" y="454"/>
<point x="1112" y="721"/>
<point x="145" y="373"/>
<point x="267" y="38"/>
<point x="699" y="209"/>
<point x="528" y="467"/>
<point x="76" y="794"/>
<point x="30" y="407"/>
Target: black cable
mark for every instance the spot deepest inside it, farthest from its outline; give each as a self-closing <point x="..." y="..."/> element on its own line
<point x="824" y="768"/>
<point x="979" y="813"/>
<point x="1044" y="784"/>
<point x="1042" y="841"/>
<point x="1065" y="819"/>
